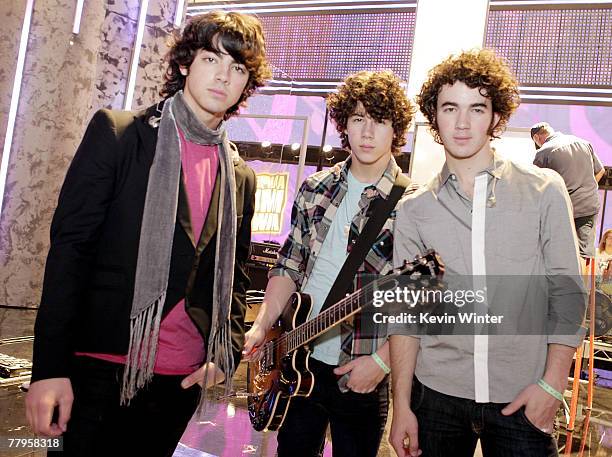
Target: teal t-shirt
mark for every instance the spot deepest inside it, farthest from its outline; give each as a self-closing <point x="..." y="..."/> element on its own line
<point x="328" y="264"/>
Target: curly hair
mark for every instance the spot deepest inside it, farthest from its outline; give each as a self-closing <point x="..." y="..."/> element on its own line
<point x="383" y="99"/>
<point x="240" y="34"/>
<point x="479" y="68"/>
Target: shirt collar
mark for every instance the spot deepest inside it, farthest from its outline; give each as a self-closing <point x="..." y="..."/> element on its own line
<point x="552" y="136"/>
<point x="382" y="187"/>
<point x="495" y="169"/>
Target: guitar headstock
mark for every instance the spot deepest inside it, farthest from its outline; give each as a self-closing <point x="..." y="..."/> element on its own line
<point x="430" y="264"/>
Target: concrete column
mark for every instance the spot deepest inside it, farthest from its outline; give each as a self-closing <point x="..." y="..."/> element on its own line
<point x="65" y="81"/>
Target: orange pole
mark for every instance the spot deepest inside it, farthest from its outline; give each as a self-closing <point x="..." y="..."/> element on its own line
<point x="591" y="339"/>
<point x="585" y="432"/>
<point x="578" y="364"/>
<point x="574" y="401"/>
<point x="591" y="384"/>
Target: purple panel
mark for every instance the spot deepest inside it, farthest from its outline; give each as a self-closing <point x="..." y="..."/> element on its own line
<point x="558" y="47"/>
<point x="330" y="46"/>
<point x="282" y="131"/>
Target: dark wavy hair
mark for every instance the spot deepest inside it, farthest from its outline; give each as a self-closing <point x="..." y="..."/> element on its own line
<point x="240" y="34"/>
<point x="383" y="99"/>
<point x="479" y="68"/>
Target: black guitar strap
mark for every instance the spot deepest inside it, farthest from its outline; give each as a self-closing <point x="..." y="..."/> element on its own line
<point x="380" y="213"/>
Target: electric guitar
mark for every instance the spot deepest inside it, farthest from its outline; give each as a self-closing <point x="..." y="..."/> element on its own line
<point x="282" y="371"/>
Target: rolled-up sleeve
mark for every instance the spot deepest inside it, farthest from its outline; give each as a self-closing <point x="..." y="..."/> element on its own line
<point x="566" y="292"/>
<point x="597" y="165"/>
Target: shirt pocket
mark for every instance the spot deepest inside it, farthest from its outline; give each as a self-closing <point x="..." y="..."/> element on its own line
<point x="443" y="237"/>
<point x="516" y="235"/>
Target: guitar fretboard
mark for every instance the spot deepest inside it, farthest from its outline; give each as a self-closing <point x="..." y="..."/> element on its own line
<point x="328" y="318"/>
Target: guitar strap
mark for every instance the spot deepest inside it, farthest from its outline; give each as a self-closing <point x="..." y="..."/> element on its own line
<point x="380" y="213"/>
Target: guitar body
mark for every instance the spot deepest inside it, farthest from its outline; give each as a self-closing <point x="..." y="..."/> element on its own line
<point x="278" y="376"/>
<point x="283" y="372"/>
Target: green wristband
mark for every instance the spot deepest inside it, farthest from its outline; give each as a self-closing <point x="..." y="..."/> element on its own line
<point x="550" y="390"/>
<point x="383" y="366"/>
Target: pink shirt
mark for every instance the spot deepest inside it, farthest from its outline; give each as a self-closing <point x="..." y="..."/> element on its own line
<point x="181" y="348"/>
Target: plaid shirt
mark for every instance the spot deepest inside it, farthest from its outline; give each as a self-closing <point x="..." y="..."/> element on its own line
<point x="311" y="217"/>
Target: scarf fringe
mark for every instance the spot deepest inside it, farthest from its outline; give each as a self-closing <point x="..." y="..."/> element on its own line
<point x="144" y="332"/>
<point x="220" y="353"/>
<point x="220" y="343"/>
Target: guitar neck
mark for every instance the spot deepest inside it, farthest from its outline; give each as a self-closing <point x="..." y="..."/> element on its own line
<point x="328" y="318"/>
<point x="422" y="269"/>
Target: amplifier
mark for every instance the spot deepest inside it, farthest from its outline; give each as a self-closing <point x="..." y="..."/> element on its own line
<point x="264" y="254"/>
<point x="605" y="183"/>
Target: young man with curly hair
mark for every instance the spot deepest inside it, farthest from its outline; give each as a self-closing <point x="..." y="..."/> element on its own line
<point x="485" y="216"/>
<point x="134" y="312"/>
<point x="372" y="115"/>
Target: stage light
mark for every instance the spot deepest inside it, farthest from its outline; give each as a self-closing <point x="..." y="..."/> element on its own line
<point x="328" y="153"/>
<point x="12" y="116"/>
<point x="76" y="25"/>
<point x="266" y="147"/>
<point x="129" y="93"/>
<point x="178" y="13"/>
<point x="231" y="410"/>
<point x="295" y="146"/>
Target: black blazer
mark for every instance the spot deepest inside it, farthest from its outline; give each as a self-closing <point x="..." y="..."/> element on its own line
<point x="89" y="276"/>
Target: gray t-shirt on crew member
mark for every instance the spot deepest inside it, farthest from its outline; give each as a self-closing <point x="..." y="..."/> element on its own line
<point x="574" y="159"/>
<point x="528" y="233"/>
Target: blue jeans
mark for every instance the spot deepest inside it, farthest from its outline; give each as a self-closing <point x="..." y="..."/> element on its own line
<point x="451" y="426"/>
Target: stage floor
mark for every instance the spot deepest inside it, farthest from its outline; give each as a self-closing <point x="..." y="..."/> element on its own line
<point x="225" y="429"/>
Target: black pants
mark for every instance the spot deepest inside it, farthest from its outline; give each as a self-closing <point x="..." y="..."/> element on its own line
<point x="451" y="426"/>
<point x="585" y="231"/>
<point x="357" y="421"/>
<point x="151" y="425"/>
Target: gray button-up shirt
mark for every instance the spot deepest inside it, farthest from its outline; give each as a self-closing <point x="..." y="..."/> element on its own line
<point x="528" y="232"/>
<point x="574" y="159"/>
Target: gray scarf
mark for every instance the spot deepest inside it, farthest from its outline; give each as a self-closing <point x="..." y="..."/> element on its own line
<point x="155" y="248"/>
